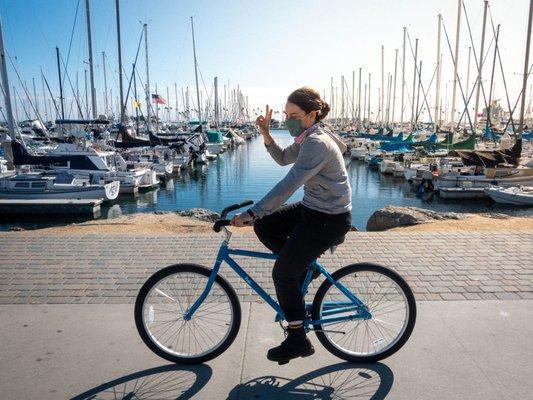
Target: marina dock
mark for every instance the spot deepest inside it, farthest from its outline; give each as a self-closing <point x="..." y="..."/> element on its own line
<point x="51" y="206"/>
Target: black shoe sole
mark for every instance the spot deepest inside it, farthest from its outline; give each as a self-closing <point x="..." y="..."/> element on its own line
<point x="285" y="360"/>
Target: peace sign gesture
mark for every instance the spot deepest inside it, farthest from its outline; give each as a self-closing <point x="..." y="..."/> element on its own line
<point x="264" y="121"/>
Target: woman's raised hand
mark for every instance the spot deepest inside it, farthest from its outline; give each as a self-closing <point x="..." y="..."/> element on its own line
<point x="263" y="122"/>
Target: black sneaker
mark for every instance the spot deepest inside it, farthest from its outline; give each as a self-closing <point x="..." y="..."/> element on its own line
<point x="295" y="345"/>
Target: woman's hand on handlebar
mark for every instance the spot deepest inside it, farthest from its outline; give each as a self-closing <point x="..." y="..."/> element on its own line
<point x="263" y="122"/>
<point x="242" y="219"/>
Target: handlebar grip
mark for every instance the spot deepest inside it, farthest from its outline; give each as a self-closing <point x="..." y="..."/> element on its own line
<point x="220" y="223"/>
<point x="235" y="207"/>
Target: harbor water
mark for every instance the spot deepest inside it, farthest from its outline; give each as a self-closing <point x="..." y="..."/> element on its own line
<point x="248" y="172"/>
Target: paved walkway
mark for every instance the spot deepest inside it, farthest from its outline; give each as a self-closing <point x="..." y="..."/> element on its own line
<point x="37" y="269"/>
<point x="475" y="350"/>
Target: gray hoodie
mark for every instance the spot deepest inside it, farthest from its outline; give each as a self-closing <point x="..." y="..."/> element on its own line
<point x="319" y="166"/>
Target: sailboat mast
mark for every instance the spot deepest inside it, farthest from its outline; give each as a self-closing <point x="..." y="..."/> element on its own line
<point x="105" y="85"/>
<point x="35" y="99"/>
<point x="382" y="106"/>
<point x="216" y="102"/>
<point x="403" y="78"/>
<point x="168" y="106"/>
<point x="480" y="65"/>
<point x="147" y="89"/>
<point x="5" y="84"/>
<point x="489" y="119"/>
<point x="526" y="70"/>
<point x="437" y="85"/>
<point x="467" y="81"/>
<point x="414" y="86"/>
<point x="456" y="63"/>
<point x="196" y="76"/>
<point x="91" y="71"/>
<point x="121" y="94"/>
<point x="369" y="91"/>
<point x="353" y="96"/>
<point x="136" y="102"/>
<point x="60" y="85"/>
<point x="176" y="101"/>
<point x="394" y="88"/>
<point x="359" y="99"/>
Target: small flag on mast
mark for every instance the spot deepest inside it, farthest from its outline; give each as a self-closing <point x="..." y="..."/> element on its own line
<point x="156" y="98"/>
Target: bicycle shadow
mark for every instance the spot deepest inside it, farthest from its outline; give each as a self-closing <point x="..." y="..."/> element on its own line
<point x="338" y="381"/>
<point x="168" y="382"/>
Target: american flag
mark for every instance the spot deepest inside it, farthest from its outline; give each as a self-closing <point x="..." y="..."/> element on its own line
<point x="156" y="98"/>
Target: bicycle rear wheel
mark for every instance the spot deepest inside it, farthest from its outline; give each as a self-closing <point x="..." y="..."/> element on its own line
<point x="388" y="298"/>
<point x="162" y="303"/>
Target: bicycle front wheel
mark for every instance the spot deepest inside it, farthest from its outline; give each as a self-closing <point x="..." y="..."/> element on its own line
<point x="165" y="298"/>
<point x="389" y="300"/>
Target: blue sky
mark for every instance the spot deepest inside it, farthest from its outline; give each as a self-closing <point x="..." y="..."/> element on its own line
<point x="269" y="48"/>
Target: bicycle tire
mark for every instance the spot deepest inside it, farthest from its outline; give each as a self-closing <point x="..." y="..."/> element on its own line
<point x="205" y="273"/>
<point x="405" y="333"/>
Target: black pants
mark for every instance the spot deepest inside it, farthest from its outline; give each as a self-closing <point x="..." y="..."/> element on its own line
<point x="299" y="235"/>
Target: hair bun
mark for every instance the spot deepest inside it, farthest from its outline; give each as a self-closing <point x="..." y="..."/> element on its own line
<point x="324" y="110"/>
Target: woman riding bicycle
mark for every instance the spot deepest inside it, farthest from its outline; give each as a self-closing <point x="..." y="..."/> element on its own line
<point x="301" y="232"/>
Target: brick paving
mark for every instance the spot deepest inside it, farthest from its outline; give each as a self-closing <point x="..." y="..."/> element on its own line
<point x="37" y="269"/>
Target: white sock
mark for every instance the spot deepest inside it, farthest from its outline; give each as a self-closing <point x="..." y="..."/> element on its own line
<point x="295" y="324"/>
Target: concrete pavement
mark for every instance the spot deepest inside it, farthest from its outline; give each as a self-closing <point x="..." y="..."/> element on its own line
<point x="458" y="350"/>
<point x="68" y="330"/>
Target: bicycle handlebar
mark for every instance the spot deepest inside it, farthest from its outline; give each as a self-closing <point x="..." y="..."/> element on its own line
<point x="220" y="223"/>
<point x="225" y="222"/>
<point x="235" y="207"/>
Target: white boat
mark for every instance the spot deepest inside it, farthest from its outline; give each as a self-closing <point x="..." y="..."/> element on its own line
<point x="387" y="166"/>
<point x="505" y="177"/>
<point x="399" y="170"/>
<point x="62" y="185"/>
<point x="85" y="162"/>
<point x="518" y="195"/>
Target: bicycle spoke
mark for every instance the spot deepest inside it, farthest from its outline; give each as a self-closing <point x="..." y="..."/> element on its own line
<point x="386" y="303"/>
<point x="166" y="304"/>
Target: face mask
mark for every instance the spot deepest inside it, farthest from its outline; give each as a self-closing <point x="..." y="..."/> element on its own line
<point x="294" y="125"/>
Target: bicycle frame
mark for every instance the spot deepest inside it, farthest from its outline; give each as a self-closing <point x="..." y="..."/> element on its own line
<point x="330" y="308"/>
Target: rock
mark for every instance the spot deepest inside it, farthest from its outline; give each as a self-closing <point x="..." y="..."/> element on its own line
<point x="202" y="214"/>
<point x="394" y="217"/>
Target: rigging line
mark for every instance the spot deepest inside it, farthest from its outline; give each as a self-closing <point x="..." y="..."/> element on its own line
<point x="483" y="59"/>
<point x="22" y="103"/>
<point x="474" y="87"/>
<point x="503" y="74"/>
<point x="131" y="78"/>
<point x="458" y="81"/>
<point x="406" y="88"/>
<point x="71" y="37"/>
<point x="419" y="112"/>
<point x="205" y="88"/>
<point x="517" y="100"/>
<point x="142" y="85"/>
<point x="51" y="95"/>
<point x="25" y="91"/>
<point x="417" y="71"/>
<point x="72" y="87"/>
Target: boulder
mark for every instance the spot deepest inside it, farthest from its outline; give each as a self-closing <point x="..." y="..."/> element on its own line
<point x="394" y="217"/>
<point x="202" y="214"/>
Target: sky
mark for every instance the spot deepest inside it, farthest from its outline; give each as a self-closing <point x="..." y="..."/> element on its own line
<point x="268" y="48"/>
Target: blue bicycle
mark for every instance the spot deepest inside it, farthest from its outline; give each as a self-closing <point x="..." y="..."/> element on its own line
<point x="189" y="314"/>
